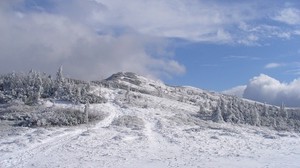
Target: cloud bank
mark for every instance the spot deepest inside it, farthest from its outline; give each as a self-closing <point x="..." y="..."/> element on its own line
<point x="236" y="91"/>
<point x="264" y="88"/>
<point x="267" y="89"/>
<point x="68" y="35"/>
<point x="95" y="38"/>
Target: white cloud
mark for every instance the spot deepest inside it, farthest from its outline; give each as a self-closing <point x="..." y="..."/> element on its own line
<point x="44" y="41"/>
<point x="205" y="21"/>
<point x="98" y="37"/>
<point x="289" y="16"/>
<point x="241" y="57"/>
<point x="294" y="71"/>
<point x="236" y="91"/>
<point x="297" y="32"/>
<point x="273" y="65"/>
<point x="253" y="34"/>
<point x="267" y="89"/>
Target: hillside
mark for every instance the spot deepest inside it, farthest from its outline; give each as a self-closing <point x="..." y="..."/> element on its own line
<point x="131" y="121"/>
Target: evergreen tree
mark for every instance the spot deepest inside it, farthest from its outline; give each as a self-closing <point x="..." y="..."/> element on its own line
<point x="217" y="115"/>
<point x="255" y="118"/>
<point x="59" y="84"/>
<point x="283" y="111"/>
<point x="59" y="76"/>
<point x="265" y="110"/>
<point x="86" y="112"/>
<point x="127" y="94"/>
<point x="201" y="108"/>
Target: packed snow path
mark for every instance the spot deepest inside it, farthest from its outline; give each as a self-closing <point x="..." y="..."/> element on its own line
<point x="154" y="126"/>
<point x="163" y="142"/>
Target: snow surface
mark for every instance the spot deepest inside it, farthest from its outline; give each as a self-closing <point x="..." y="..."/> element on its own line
<point x="169" y="136"/>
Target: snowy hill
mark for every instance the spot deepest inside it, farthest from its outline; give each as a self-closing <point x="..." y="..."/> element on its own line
<point x="133" y="121"/>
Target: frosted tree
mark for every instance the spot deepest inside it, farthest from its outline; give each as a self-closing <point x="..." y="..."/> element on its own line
<point x="181" y="98"/>
<point x="159" y="90"/>
<point x="34" y="87"/>
<point x="48" y="86"/>
<point x="2" y="98"/>
<point x="78" y="95"/>
<point x="229" y="106"/>
<point x="86" y="112"/>
<point x="59" y="76"/>
<point x="229" y="116"/>
<point x="217" y="115"/>
<point x="255" y="118"/>
<point x="283" y="111"/>
<point x="240" y="106"/>
<point x="201" y="112"/>
<point x="265" y="110"/>
<point x="206" y="104"/>
<point x="223" y="108"/>
<point x="201" y="108"/>
<point x="127" y="94"/>
<point x="59" y="83"/>
<point x="64" y="87"/>
<point x="222" y="104"/>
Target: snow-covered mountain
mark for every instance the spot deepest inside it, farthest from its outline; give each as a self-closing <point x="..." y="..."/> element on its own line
<point x="128" y="120"/>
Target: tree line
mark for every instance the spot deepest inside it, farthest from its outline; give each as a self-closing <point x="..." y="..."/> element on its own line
<point x="33" y="86"/>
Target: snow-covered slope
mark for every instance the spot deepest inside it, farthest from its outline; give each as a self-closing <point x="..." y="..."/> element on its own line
<point x="145" y="123"/>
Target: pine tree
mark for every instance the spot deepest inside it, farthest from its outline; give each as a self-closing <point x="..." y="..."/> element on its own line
<point x="217" y="115"/>
<point x="255" y="118"/>
<point x="159" y="90"/>
<point x="201" y="108"/>
<point x="127" y="96"/>
<point x="59" y="76"/>
<point x="223" y="108"/>
<point x="229" y="115"/>
<point x="34" y="87"/>
<point x="265" y="110"/>
<point x="283" y="111"/>
<point x="86" y="112"/>
<point x="78" y="95"/>
<point x="59" y="83"/>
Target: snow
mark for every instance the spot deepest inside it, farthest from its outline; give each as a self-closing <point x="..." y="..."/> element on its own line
<point x="171" y="137"/>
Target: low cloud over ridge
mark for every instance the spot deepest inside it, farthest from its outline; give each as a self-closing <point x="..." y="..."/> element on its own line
<point x="68" y="34"/>
<point x="264" y="88"/>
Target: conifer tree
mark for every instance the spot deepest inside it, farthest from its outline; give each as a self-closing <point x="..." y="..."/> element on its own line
<point x="217" y="115"/>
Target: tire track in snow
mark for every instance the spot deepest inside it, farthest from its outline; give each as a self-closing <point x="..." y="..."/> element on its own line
<point x="49" y="146"/>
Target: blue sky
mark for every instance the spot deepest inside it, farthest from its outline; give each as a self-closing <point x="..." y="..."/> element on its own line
<point x="219" y="67"/>
<point x="214" y="45"/>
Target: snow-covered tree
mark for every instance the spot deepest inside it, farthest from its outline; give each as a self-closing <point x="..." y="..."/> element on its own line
<point x="159" y="90"/>
<point x="201" y="108"/>
<point x="265" y="110"/>
<point x="86" y="112"/>
<point x="34" y="87"/>
<point x="283" y="112"/>
<point x="30" y="87"/>
<point x="217" y="115"/>
<point x="127" y="94"/>
<point x="255" y="118"/>
<point x="59" y="76"/>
